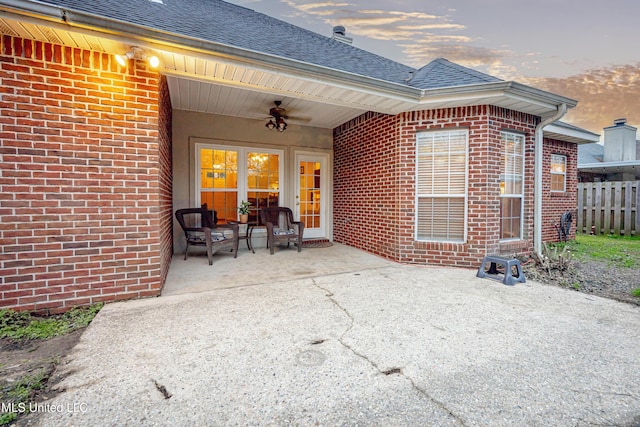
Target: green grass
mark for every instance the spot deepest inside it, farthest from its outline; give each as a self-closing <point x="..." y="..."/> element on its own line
<point x="23" y="325"/>
<point x="636" y="292"/>
<point x="616" y="250"/>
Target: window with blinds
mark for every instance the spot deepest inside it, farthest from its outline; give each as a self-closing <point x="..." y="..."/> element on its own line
<point x="441" y="186"/>
<point x="511" y="185"/>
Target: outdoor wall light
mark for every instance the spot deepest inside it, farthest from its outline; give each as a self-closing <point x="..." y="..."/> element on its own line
<point x="137" y="53"/>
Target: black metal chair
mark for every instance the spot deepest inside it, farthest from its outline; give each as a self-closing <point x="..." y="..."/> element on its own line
<point x="200" y="230"/>
<point x="281" y="227"/>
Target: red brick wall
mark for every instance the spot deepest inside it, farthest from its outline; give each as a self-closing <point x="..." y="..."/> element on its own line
<point x="366" y="148"/>
<point x="555" y="204"/>
<point x="366" y="167"/>
<point x="166" y="177"/>
<point x="80" y="185"/>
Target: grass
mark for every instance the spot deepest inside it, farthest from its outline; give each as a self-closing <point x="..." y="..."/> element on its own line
<point x="24" y="325"/>
<point x="618" y="251"/>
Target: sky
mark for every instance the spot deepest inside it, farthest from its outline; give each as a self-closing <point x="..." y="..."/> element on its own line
<point x="588" y="50"/>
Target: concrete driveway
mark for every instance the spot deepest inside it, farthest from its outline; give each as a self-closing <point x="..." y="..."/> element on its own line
<point x="368" y="342"/>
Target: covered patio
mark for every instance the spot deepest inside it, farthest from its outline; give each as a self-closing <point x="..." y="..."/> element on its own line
<point x="195" y="275"/>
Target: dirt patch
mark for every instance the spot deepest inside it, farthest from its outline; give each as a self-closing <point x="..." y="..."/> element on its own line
<point x="20" y="359"/>
<point x="592" y="277"/>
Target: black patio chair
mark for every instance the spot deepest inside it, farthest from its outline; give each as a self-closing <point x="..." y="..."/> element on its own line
<point x="200" y="230"/>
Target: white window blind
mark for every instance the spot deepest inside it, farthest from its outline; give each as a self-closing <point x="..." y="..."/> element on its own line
<point x="511" y="185"/>
<point x="441" y="185"/>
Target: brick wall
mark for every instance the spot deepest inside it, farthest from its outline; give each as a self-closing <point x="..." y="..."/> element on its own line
<point x="366" y="167"/>
<point x="82" y="199"/>
<point x="555" y="204"/>
<point x="366" y="176"/>
<point x="165" y="178"/>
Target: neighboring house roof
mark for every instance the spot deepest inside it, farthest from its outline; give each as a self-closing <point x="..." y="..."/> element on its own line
<point x="590" y="153"/>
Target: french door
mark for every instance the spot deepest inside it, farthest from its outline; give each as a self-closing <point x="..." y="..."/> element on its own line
<point x="312" y="193"/>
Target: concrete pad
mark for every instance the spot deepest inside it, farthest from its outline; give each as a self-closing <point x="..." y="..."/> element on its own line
<point x="196" y="275"/>
<point x="388" y="345"/>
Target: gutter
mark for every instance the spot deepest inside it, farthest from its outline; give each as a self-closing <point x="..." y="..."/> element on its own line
<point x="537" y="181"/>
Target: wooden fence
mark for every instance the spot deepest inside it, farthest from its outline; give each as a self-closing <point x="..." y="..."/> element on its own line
<point x="608" y="208"/>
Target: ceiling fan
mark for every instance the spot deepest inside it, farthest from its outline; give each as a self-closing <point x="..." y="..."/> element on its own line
<point x="279" y="114"/>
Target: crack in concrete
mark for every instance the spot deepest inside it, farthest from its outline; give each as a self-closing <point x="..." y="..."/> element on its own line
<point x="362" y="356"/>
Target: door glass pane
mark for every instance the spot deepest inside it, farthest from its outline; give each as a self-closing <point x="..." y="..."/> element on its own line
<point x="263" y="181"/>
<point x="310" y="194"/>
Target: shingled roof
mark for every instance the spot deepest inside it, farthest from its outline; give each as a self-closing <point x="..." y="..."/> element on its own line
<point x="224" y="23"/>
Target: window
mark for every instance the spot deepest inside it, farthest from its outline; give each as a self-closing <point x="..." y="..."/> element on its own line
<point x="511" y="186"/>
<point x="441" y="168"/>
<point x="230" y="174"/>
<point x="558" y="173"/>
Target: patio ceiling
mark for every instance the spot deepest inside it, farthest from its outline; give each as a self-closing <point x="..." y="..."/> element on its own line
<point x="247" y="85"/>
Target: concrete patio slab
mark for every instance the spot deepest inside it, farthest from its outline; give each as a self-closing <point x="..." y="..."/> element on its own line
<point x="195" y="274"/>
<point x="385" y="344"/>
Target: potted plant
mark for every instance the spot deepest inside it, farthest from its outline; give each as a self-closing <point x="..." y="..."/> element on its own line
<point x="243" y="210"/>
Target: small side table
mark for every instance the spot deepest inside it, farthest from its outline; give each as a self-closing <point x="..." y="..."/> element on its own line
<point x="248" y="230"/>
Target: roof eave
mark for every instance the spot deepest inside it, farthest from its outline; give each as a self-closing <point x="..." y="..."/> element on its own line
<point x="544" y="101"/>
<point x="607" y="165"/>
<point x="152" y="37"/>
<point x="562" y="133"/>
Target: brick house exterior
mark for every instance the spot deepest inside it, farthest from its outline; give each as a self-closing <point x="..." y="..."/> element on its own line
<point x="85" y="190"/>
<point x="375" y="154"/>
<point x="96" y="156"/>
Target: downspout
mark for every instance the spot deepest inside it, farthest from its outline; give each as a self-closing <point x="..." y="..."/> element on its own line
<point x="537" y="186"/>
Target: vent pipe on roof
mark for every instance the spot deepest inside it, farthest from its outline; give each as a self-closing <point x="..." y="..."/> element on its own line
<point x="339" y="34"/>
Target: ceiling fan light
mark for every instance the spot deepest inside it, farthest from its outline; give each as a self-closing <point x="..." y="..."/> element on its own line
<point x="282" y="125"/>
<point x="270" y="125"/>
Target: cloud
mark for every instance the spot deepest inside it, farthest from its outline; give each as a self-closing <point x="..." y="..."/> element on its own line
<point x="603" y="95"/>
<point x="377" y="24"/>
<point x="442" y="47"/>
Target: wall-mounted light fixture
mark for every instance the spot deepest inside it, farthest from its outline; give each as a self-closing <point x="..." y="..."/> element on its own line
<point x="136" y="52"/>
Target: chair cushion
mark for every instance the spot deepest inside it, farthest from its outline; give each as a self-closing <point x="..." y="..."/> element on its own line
<point x="278" y="232"/>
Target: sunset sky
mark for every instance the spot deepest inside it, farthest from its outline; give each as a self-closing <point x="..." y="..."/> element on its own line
<point x="587" y="50"/>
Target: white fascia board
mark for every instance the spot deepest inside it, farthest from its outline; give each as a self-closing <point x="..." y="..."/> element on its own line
<point x="607" y="165"/>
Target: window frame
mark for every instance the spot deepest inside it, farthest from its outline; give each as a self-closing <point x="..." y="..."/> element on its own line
<point x="243" y="170"/>
<point x="418" y="194"/>
<point x="503" y="172"/>
<point x="563" y="174"/>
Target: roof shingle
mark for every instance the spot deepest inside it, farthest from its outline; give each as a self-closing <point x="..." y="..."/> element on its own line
<point x="225" y="23"/>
